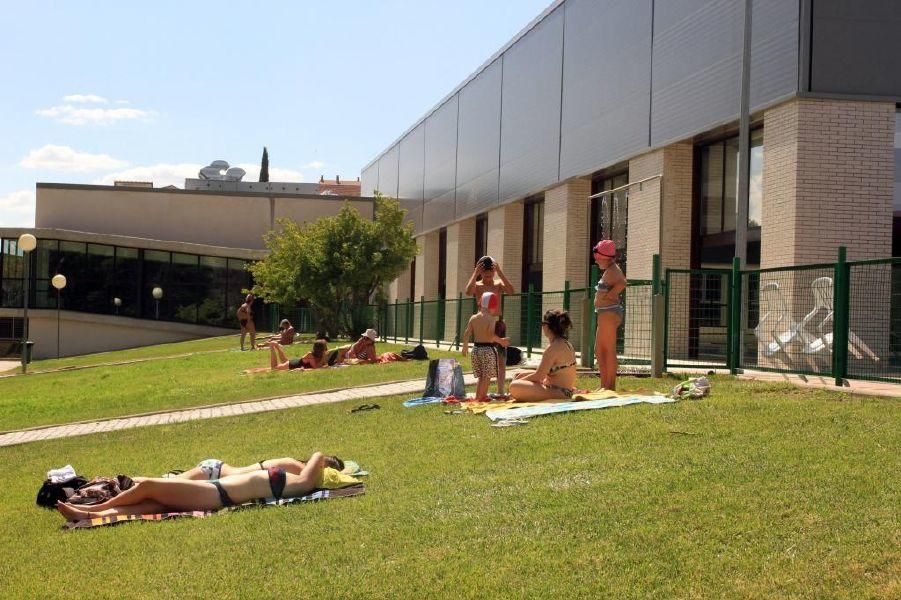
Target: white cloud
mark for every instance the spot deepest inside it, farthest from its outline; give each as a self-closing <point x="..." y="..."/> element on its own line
<point x="161" y="174"/>
<point x="17" y="209"/>
<point x="84" y="99"/>
<point x="275" y="173"/>
<point x="64" y="158"/>
<point x="315" y="165"/>
<point x="71" y="113"/>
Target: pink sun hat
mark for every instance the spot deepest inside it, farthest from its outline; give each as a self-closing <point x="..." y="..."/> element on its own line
<point x="605" y="248"/>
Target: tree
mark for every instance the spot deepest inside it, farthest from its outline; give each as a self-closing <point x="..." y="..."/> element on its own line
<point x="336" y="263"/>
<point x="264" y="166"/>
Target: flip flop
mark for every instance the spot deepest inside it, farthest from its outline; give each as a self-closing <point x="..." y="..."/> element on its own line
<point x="363" y="407"/>
<point x="509" y="423"/>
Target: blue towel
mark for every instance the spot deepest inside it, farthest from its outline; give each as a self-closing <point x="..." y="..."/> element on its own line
<point x="421" y="401"/>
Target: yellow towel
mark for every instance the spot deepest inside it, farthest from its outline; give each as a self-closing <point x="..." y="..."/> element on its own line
<point x="332" y="479"/>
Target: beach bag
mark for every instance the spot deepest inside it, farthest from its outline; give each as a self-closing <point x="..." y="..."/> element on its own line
<point x="417" y="353"/>
<point x="514" y="356"/>
<point x="101" y="489"/>
<point x="51" y="493"/>
<point x="445" y="378"/>
<point x="692" y="389"/>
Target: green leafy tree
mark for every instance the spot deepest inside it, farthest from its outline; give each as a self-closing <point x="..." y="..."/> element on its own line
<point x="336" y="263"/>
<point x="264" y="166"/>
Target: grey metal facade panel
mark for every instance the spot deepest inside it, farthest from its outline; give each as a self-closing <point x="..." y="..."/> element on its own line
<point x="414" y="212"/>
<point x="438" y="212"/>
<point x="697" y="66"/>
<point x="530" y="113"/>
<point x="606" y="83"/>
<point x="775" y="30"/>
<point x="410" y="165"/>
<point x="440" y="151"/>
<point x="478" y="145"/>
<point x="856" y="47"/>
<point x="369" y="179"/>
<point x="388" y="172"/>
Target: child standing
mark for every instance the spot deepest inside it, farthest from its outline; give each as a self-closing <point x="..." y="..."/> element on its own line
<point x="484" y="356"/>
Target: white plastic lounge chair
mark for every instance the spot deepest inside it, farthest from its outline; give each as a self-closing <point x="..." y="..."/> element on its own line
<point x="776" y="323"/>
<point x="822" y="301"/>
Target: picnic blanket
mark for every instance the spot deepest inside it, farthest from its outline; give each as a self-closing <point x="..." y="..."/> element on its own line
<point x="534" y="409"/>
<point x="315" y="496"/>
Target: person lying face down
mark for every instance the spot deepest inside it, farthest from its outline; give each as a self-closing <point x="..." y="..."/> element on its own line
<point x="156" y="495"/>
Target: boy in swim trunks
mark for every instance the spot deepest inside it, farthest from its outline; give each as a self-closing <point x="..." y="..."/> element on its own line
<point x="484" y="356"/>
<point x="488" y="277"/>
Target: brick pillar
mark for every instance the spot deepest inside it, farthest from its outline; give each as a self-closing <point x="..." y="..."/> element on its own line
<point x="460" y="260"/>
<point x="426" y="281"/>
<point x="505" y="231"/>
<point x="674" y="162"/>
<point x="566" y="247"/>
<point x="828" y="174"/>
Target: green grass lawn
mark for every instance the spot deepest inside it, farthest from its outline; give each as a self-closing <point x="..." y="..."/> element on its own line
<point x="761" y="490"/>
<point x="200" y="379"/>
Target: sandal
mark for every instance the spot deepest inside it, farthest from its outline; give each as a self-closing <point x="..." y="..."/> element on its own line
<point x="363" y="407"/>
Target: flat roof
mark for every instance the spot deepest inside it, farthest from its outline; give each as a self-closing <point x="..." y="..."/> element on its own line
<point x="139" y="190"/>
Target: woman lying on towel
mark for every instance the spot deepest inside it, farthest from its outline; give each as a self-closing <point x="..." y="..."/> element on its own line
<point x="212" y="468"/>
<point x="279" y="361"/>
<point x="167" y="495"/>
<point x="556" y="375"/>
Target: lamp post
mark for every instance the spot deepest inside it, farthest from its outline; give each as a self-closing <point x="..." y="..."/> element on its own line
<point x="59" y="282"/>
<point x="26" y="244"/>
<point x="117" y="302"/>
<point x="157" y="295"/>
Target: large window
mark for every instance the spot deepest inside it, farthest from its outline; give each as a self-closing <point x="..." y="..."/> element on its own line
<point x="896" y="203"/>
<point x="533" y="244"/>
<point x="717" y="194"/>
<point x="610" y="214"/>
<point x="481" y="236"/>
<point x="119" y="281"/>
<point x="442" y="263"/>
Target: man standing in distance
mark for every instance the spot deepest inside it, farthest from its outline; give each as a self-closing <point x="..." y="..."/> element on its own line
<point x="488" y="277"/>
<point x="245" y="318"/>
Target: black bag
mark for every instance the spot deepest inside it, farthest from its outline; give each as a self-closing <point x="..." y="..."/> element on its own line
<point x="417" y="353"/>
<point x="51" y="493"/>
<point x="514" y="356"/>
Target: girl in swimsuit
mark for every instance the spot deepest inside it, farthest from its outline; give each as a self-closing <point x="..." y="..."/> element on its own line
<point x="212" y="468"/>
<point x="609" y="311"/>
<point x="162" y="495"/>
<point x="556" y="374"/>
<point x="279" y="361"/>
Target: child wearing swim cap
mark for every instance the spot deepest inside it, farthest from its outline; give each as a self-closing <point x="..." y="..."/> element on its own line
<point x="484" y="356"/>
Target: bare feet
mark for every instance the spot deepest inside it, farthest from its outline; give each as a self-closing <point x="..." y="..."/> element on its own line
<point x="72" y="513"/>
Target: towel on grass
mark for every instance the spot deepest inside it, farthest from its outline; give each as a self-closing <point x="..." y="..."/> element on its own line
<point x="522" y="411"/>
<point x="315" y="496"/>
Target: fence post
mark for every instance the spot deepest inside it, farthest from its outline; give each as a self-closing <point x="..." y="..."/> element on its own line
<point x="421" y="319"/>
<point x="733" y="335"/>
<point x="593" y="278"/>
<point x="841" y="303"/>
<point x="657" y="320"/>
<point x="566" y="295"/>
<point x="459" y="322"/>
<point x="529" y="310"/>
<point x="408" y="317"/>
<point x="440" y="307"/>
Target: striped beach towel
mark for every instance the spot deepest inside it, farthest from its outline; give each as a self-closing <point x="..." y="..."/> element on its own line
<point x="315" y="496"/>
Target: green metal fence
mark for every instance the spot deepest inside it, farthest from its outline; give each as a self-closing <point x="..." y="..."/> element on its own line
<point x="841" y="319"/>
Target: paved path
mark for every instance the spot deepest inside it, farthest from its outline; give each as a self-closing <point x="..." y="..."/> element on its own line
<point x="413" y="388"/>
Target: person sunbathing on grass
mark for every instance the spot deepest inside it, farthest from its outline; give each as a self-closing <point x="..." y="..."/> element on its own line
<point x="155" y="495"/>
<point x="212" y="468"/>
<point x="279" y="361"/>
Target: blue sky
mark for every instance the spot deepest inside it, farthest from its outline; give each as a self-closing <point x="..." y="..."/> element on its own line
<point x="97" y="91"/>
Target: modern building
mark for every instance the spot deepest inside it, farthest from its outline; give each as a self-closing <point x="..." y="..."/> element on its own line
<point x="115" y="244"/>
<point x="642" y="98"/>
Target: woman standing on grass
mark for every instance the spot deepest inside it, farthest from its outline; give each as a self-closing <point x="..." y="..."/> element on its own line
<point x="555" y="377"/>
<point x="609" y="311"/>
<point x="162" y="495"/>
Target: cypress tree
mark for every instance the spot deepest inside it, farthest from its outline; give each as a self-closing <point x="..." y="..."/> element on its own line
<point x="264" y="166"/>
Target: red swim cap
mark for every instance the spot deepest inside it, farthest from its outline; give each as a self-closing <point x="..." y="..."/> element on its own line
<point x="490" y="301"/>
<point x="605" y="248"/>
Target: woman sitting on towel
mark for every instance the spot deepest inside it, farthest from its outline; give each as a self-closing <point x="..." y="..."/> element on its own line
<point x="212" y="468"/>
<point x="285" y="335"/>
<point x="165" y="495"/>
<point x="364" y="349"/>
<point x="279" y="361"/>
<point x="556" y="375"/>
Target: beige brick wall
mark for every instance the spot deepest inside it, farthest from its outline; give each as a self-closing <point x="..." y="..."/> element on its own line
<point x="505" y="225"/>
<point x="460" y="260"/>
<point x="426" y="280"/>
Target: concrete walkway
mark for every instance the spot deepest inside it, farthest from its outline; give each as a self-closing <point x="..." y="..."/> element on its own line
<point x="412" y="388"/>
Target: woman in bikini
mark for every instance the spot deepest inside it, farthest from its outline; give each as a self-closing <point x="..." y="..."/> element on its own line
<point x="555" y="377"/>
<point x="161" y="495"/>
<point x="609" y="311"/>
<point x="213" y="468"/>
<point x="279" y="361"/>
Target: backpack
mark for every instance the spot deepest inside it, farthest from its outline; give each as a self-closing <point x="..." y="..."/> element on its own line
<point x="514" y="356"/>
<point x="417" y="353"/>
<point x="51" y="493"/>
<point x="101" y="489"/>
<point x="445" y="378"/>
